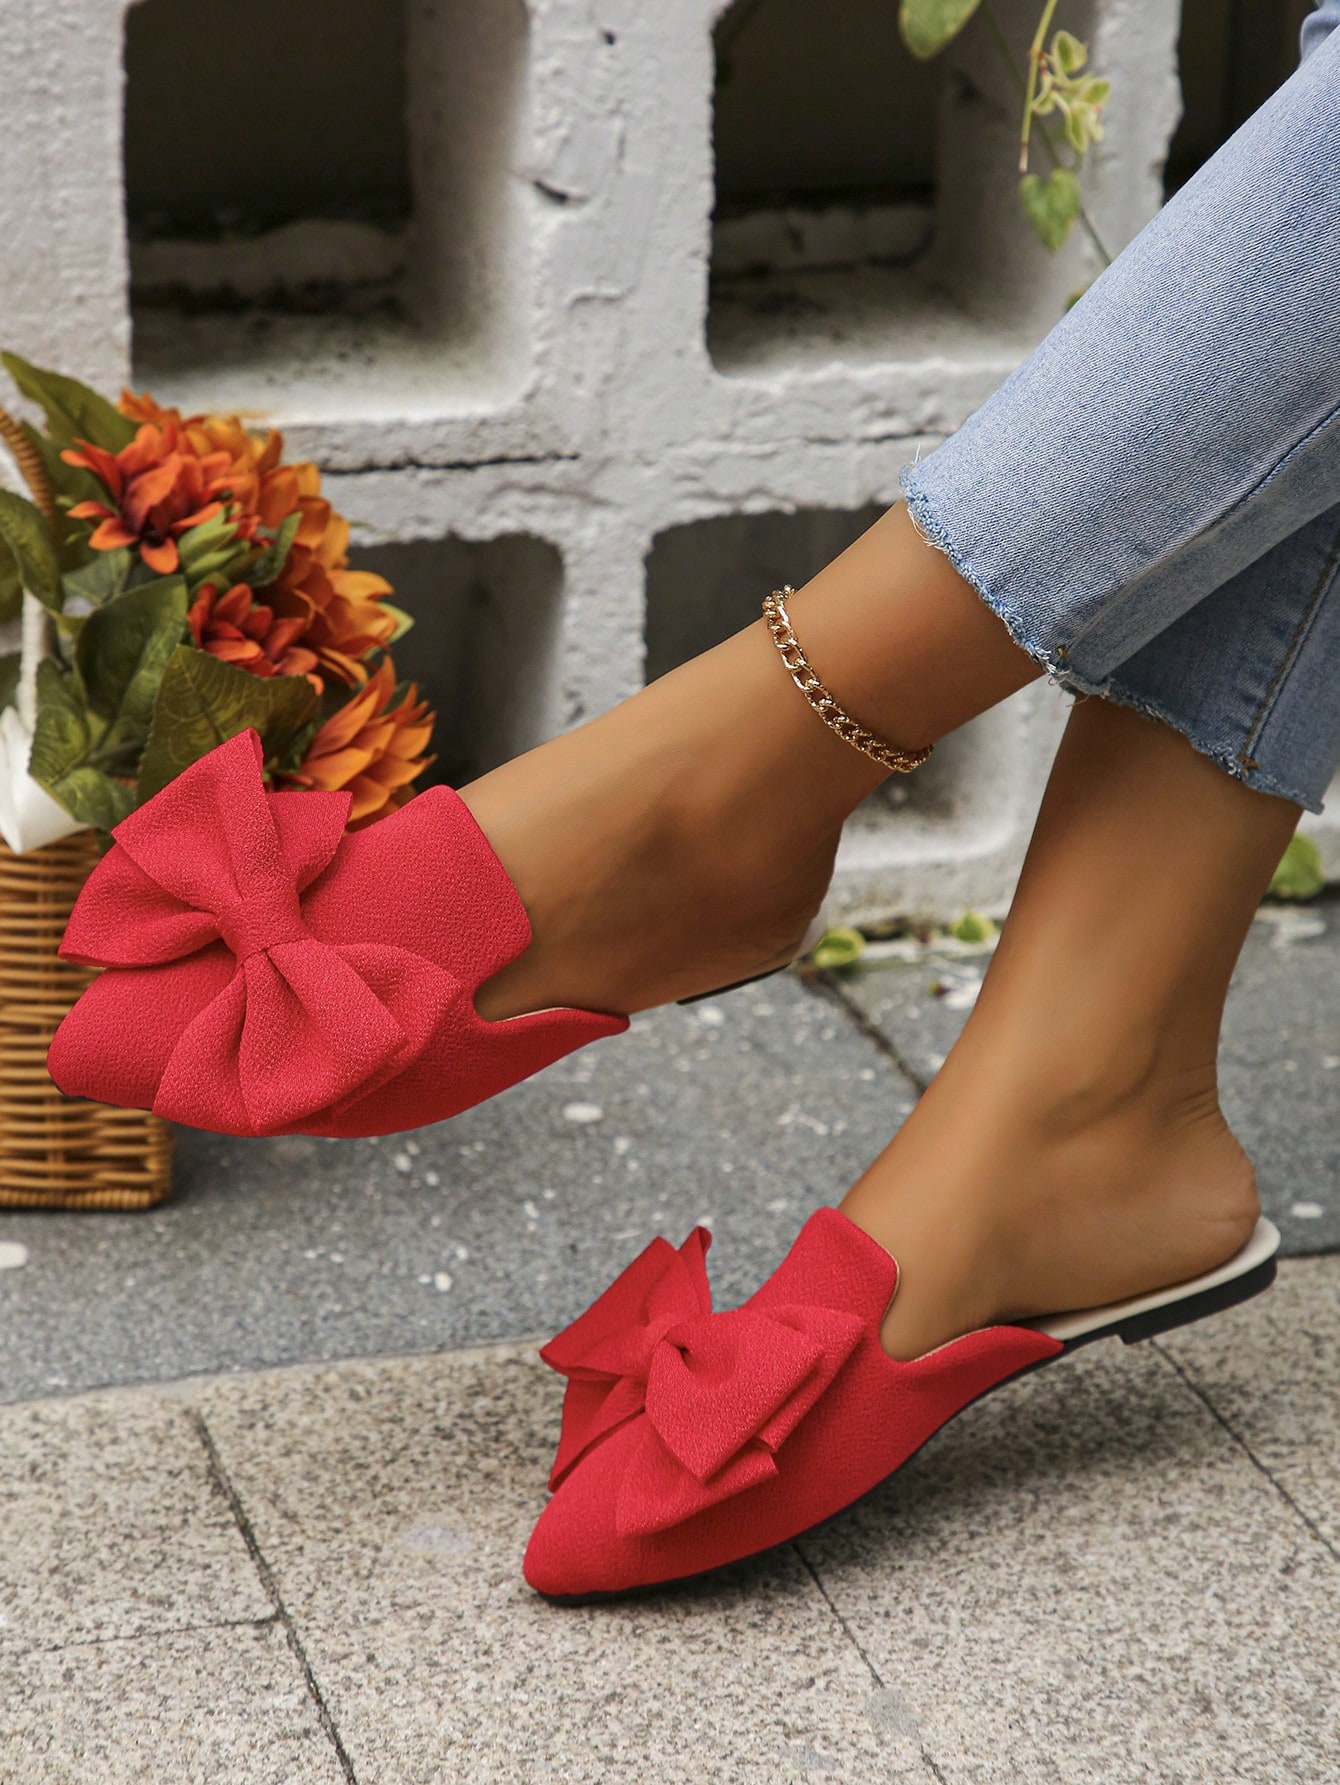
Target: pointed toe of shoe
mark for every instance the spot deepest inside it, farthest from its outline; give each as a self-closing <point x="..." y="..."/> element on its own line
<point x="582" y="1547"/>
<point x="574" y="1551"/>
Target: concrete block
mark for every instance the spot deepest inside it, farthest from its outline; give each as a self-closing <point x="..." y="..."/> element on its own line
<point x="579" y="275"/>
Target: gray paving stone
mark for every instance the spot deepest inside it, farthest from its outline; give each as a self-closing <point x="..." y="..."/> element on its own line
<point x="113" y="1526"/>
<point x="1272" y="1374"/>
<point x="750" y="1110"/>
<point x="212" y="1707"/>
<point x="393" y="1501"/>
<point x="919" y="1006"/>
<point x="1086" y="1581"/>
<point x="1279" y="1063"/>
<point x="1280" y="1069"/>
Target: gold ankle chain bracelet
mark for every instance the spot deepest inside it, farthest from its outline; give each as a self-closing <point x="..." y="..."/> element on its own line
<point x="836" y="717"/>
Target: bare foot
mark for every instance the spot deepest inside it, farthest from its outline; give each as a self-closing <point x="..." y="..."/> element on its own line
<point x="679" y="843"/>
<point x="1013" y="1213"/>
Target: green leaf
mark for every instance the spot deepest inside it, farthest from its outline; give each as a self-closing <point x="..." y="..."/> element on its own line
<point x="266" y="569"/>
<point x="9" y="678"/>
<point x="838" y="947"/>
<point x="62" y="734"/>
<point x="928" y="25"/>
<point x="203" y="702"/>
<point x="1051" y="205"/>
<point x="403" y="621"/>
<point x="972" y="927"/>
<point x="1068" y="53"/>
<point x="212" y="552"/>
<point x="29" y="540"/>
<point x="61" y="745"/>
<point x="11" y="586"/>
<point x="103" y="577"/>
<point x="72" y="409"/>
<point x="92" y="796"/>
<point x="1299" y="874"/>
<point x="123" y="649"/>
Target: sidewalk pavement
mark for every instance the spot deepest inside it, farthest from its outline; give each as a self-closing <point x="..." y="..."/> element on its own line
<point x="1123" y="1569"/>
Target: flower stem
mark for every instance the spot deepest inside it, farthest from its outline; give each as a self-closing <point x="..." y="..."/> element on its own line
<point x="1021" y="87"/>
<point x="1034" y="60"/>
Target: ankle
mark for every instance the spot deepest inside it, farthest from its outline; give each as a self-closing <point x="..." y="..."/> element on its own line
<point x="998" y="1209"/>
<point x="1061" y="1081"/>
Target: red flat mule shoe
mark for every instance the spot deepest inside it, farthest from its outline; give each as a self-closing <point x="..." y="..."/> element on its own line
<point x="692" y="1439"/>
<point x="267" y="972"/>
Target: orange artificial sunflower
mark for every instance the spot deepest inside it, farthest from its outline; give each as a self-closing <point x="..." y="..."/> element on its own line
<point x="340" y="610"/>
<point x="158" y="488"/>
<point x="374" y="750"/>
<point x="238" y="629"/>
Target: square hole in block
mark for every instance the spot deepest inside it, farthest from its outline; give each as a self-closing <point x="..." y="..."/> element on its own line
<point x="706" y="581"/>
<point x="318" y="202"/>
<point x="865" y="201"/>
<point x="484" y="644"/>
<point x="1231" y="56"/>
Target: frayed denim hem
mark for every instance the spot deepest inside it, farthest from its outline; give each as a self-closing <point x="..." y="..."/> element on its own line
<point x="932" y="533"/>
<point x="1123" y="695"/>
<point x="1062" y="675"/>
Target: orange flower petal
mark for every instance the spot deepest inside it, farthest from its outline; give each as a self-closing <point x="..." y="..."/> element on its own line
<point x="111" y="535"/>
<point x="233" y="649"/>
<point x="396" y="774"/>
<point x="207" y="513"/>
<point x="368" y="798"/>
<point x="162" y="558"/>
<point x="197" y="615"/>
<point x="360" y="585"/>
<point x="150" y="487"/>
<point x="235" y="604"/>
<point x="338" y="768"/>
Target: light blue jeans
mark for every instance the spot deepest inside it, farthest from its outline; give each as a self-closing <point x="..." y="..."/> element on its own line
<point x="1151" y="501"/>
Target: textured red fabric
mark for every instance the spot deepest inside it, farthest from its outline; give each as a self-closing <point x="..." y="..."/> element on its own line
<point x="692" y="1439"/>
<point x="268" y="973"/>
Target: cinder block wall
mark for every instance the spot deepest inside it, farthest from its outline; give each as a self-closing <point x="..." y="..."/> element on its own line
<point x="602" y="317"/>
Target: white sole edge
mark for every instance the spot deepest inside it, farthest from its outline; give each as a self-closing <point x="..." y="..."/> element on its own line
<point x="819" y="927"/>
<point x="1263" y="1244"/>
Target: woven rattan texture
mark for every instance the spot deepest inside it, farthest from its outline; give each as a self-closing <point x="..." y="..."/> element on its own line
<point x="58" y="1151"/>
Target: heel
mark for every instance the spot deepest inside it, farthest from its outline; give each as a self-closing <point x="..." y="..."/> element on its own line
<point x="1195" y="1307"/>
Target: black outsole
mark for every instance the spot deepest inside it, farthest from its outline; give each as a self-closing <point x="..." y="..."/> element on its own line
<point x="719" y="991"/>
<point x="1132" y="1331"/>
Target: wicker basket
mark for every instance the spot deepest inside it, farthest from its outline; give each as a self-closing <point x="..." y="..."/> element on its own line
<point x="57" y="1152"/>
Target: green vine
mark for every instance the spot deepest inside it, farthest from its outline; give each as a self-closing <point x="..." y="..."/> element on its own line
<point x="1054" y="83"/>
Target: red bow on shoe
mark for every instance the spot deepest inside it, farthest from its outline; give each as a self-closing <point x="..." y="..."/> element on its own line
<point x="267" y="972"/>
<point x="721" y="1392"/>
<point x="243" y="1018"/>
